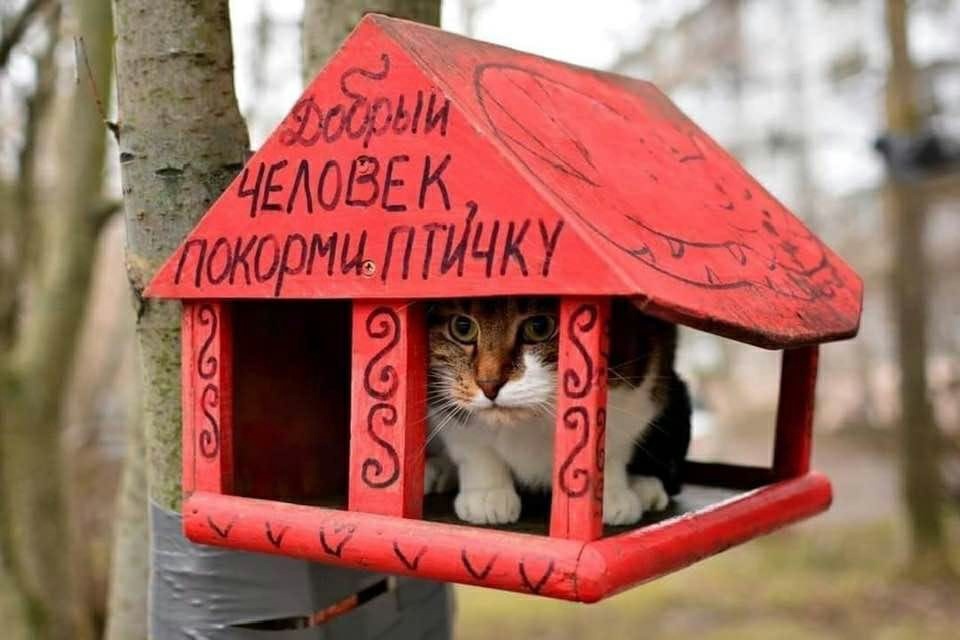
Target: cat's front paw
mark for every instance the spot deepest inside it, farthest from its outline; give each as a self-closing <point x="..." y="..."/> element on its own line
<point x="621" y="506"/>
<point x="488" y="506"/>
<point x="652" y="495"/>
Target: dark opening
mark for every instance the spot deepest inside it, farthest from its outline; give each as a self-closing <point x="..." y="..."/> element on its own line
<point x="291" y="400"/>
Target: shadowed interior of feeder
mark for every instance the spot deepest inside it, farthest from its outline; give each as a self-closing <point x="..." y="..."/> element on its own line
<point x="291" y="410"/>
<point x="291" y="418"/>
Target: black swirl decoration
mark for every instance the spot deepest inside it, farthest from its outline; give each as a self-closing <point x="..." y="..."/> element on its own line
<point x="372" y="472"/>
<point x="584" y="319"/>
<point x="575" y="418"/>
<point x="206" y="362"/>
<point x="210" y="435"/>
<point x="383" y="322"/>
<point x="601" y="453"/>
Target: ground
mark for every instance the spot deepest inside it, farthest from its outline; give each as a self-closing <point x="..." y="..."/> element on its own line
<point x="841" y="575"/>
<point x="827" y="582"/>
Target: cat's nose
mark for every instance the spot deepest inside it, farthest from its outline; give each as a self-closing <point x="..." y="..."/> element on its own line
<point x="490" y="387"/>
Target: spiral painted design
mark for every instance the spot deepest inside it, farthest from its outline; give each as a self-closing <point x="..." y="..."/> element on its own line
<point x="575" y="418"/>
<point x="207" y="364"/>
<point x="383" y="322"/>
<point x="372" y="472"/>
<point x="210" y="436"/>
<point x="584" y="319"/>
<point x="601" y="454"/>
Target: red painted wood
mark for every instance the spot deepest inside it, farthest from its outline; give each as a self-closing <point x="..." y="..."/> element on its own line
<point x="793" y="445"/>
<point x="188" y="483"/>
<point x="435" y="551"/>
<point x="207" y="353"/>
<point x="291" y="426"/>
<point x="419" y="165"/>
<point x="388" y="409"/>
<point x="631" y="558"/>
<point x="552" y="567"/>
<point x="591" y="184"/>
<point x="576" y="509"/>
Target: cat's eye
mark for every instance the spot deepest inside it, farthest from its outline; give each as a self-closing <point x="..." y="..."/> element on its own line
<point x="464" y="329"/>
<point x="538" y="328"/>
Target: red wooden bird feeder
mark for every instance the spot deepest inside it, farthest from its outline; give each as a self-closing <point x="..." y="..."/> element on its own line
<point x="422" y="165"/>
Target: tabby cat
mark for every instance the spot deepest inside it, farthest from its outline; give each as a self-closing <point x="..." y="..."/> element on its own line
<point x="492" y="395"/>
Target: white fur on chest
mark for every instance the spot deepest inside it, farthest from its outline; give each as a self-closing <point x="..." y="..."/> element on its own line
<point x="527" y="447"/>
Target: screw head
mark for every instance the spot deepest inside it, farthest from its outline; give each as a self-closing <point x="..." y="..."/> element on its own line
<point x="368" y="268"/>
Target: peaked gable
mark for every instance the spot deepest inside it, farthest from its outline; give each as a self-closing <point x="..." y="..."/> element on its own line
<point x="424" y="164"/>
<point x="375" y="185"/>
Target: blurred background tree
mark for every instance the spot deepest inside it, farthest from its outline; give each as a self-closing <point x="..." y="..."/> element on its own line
<point x="53" y="229"/>
<point x="326" y="23"/>
<point x="920" y="438"/>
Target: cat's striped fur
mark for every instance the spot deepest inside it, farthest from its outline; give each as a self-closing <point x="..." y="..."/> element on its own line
<point x="493" y="380"/>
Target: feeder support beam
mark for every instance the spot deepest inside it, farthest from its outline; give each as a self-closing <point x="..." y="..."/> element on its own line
<point x="388" y="408"/>
<point x="577" y="504"/>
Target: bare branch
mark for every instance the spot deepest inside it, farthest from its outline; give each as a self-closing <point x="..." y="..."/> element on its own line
<point x="102" y="212"/>
<point x="80" y="52"/>
<point x="19" y="25"/>
<point x="24" y="213"/>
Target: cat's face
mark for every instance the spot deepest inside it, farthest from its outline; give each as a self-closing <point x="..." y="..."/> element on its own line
<point x="495" y="358"/>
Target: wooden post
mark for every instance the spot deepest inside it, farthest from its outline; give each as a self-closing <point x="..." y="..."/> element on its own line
<point x="388" y="408"/>
<point x="794" y="438"/>
<point x="577" y="506"/>
<point x="207" y="330"/>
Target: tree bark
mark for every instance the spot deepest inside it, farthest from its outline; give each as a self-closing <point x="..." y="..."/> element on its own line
<point x="919" y="437"/>
<point x="326" y="23"/>
<point x="182" y="140"/>
<point x="42" y="358"/>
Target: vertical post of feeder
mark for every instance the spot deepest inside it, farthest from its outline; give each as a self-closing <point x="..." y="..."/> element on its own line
<point x="388" y="408"/>
<point x="577" y="506"/>
<point x="794" y="437"/>
<point x="207" y="353"/>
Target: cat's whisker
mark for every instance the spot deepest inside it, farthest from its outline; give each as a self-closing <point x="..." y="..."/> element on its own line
<point x="643" y="377"/>
<point x="625" y="411"/>
<point x="644" y="355"/>
<point x="621" y="377"/>
<point x="446" y="418"/>
<point x="653" y="424"/>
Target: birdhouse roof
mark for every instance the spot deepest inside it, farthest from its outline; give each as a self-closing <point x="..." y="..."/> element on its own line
<point x="422" y="164"/>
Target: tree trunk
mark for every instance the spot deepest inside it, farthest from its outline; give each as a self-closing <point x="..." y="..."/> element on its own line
<point x="42" y="358"/>
<point x="130" y="565"/>
<point x="326" y="24"/>
<point x="920" y="440"/>
<point x="182" y="140"/>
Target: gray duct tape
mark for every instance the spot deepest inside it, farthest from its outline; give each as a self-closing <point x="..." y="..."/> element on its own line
<point x="210" y="593"/>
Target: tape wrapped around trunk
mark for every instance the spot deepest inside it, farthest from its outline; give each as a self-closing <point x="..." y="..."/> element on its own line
<point x="210" y="593"/>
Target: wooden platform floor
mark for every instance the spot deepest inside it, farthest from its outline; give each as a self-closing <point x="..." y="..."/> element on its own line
<point x="536" y="509"/>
